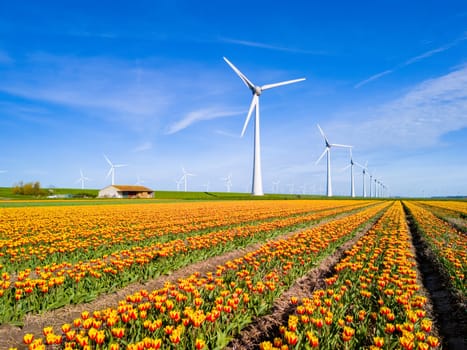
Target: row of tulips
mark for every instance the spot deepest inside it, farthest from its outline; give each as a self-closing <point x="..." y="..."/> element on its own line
<point x="52" y="286"/>
<point x="456" y="206"/>
<point x="206" y="311"/>
<point x="373" y="301"/>
<point x="449" y="244"/>
<point x="45" y="235"/>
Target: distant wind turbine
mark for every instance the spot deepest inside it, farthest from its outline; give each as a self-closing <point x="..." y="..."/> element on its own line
<point x="185" y="177"/>
<point x="228" y="182"/>
<point x="82" y="179"/>
<point x="364" y="170"/>
<point x="352" y="184"/>
<point x="327" y="150"/>
<point x="275" y="186"/>
<point x="112" y="168"/>
<point x="179" y="182"/>
<point x="257" y="186"/>
<point x="291" y="188"/>
<point x="206" y="186"/>
<point x="139" y="182"/>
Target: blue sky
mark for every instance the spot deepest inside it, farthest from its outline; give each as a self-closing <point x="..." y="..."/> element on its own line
<point x="144" y="82"/>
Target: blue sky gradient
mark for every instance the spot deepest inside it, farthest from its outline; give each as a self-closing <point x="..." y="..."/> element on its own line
<point x="144" y="82"/>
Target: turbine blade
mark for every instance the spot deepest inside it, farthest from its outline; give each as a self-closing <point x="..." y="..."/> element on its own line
<point x="270" y="86"/>
<point x="339" y="145"/>
<point x="346" y="167"/>
<point x="110" y="172"/>
<point x="253" y="104"/>
<point x="322" y="155"/>
<point x="322" y="134"/>
<point x="108" y="160"/>
<point x="245" y="80"/>
<point x="120" y="165"/>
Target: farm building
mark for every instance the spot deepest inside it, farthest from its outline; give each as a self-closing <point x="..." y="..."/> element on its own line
<point x="126" y="191"/>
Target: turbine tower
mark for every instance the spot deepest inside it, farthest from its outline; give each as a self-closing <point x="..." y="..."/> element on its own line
<point x="352" y="184"/>
<point x="228" y="182"/>
<point x="112" y="168"/>
<point x="82" y="179"/>
<point x="185" y="176"/>
<point x="327" y="150"/>
<point x="257" y="185"/>
<point x="364" y="169"/>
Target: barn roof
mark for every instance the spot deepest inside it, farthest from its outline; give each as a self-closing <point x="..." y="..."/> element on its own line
<point x="130" y="188"/>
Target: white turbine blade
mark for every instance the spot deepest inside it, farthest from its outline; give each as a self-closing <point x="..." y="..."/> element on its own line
<point x="120" y="165"/>
<point x="248" y="83"/>
<point x="108" y="160"/>
<point x="339" y="145"/>
<point x="359" y="165"/>
<point x="270" y="86"/>
<point x="110" y="172"/>
<point x="253" y="104"/>
<point x="345" y="168"/>
<point x="322" y="155"/>
<point x="322" y="134"/>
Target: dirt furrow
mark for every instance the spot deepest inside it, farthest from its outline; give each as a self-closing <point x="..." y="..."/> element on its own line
<point x="449" y="307"/>
<point x="266" y="327"/>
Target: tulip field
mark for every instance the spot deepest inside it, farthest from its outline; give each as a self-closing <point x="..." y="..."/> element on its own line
<point x="54" y="259"/>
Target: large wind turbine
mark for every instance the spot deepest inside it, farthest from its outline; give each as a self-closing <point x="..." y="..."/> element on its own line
<point x="185" y="176"/>
<point x="82" y="179"/>
<point x="327" y="150"/>
<point x="112" y="168"/>
<point x="364" y="169"/>
<point x="257" y="185"/>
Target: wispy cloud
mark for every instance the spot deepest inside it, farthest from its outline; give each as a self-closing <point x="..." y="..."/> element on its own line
<point x="417" y="119"/>
<point x="373" y="77"/>
<point x="270" y="47"/>
<point x="199" y="115"/>
<point x="145" y="146"/>
<point x="139" y="96"/>
<point x="412" y="61"/>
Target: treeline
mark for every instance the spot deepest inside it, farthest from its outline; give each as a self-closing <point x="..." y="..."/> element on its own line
<point x="29" y="189"/>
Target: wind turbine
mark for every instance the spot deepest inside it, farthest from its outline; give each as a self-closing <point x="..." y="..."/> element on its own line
<point x="179" y="182"/>
<point x="228" y="182"/>
<point x="291" y="188"/>
<point x="327" y="150"/>
<point x="257" y="185"/>
<point x="352" y="184"/>
<point x="275" y="186"/>
<point x="206" y="186"/>
<point x="139" y="182"/>
<point x="112" y="168"/>
<point x="185" y="176"/>
<point x="364" y="169"/>
<point x="82" y="179"/>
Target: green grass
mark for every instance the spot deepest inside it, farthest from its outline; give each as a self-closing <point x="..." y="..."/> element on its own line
<point x="8" y="199"/>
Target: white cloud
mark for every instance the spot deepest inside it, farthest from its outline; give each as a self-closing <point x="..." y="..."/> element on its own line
<point x="270" y="47"/>
<point x="417" y="119"/>
<point x="145" y="146"/>
<point x="412" y="61"/>
<point x="199" y="115"/>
